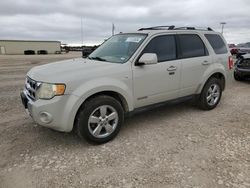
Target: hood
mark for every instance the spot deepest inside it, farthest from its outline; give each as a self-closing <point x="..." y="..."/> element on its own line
<point x="64" y="71"/>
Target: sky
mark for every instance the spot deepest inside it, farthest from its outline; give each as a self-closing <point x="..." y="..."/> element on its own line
<point x="61" y="19"/>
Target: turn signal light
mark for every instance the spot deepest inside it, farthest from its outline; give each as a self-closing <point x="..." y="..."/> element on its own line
<point x="59" y="89"/>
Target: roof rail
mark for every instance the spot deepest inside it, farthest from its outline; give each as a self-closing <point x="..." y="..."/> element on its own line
<point x="162" y="27"/>
<point x="172" y="27"/>
<point x="193" y="28"/>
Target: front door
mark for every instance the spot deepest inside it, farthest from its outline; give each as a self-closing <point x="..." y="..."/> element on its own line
<point x="158" y="82"/>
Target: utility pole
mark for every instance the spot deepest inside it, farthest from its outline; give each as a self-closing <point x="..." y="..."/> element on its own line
<point x="113" y="29"/>
<point x="81" y="32"/>
<point x="222" y="26"/>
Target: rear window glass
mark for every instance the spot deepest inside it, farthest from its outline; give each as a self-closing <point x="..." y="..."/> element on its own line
<point x="217" y="43"/>
<point x="191" y="46"/>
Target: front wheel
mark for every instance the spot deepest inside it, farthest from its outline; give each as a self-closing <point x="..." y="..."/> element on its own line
<point x="99" y="120"/>
<point x="211" y="94"/>
<point x="237" y="77"/>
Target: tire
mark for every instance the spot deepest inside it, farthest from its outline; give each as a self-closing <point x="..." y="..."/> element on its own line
<point x="99" y="119"/>
<point x="237" y="77"/>
<point x="211" y="94"/>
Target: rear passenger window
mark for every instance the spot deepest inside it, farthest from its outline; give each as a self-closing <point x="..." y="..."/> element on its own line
<point x="163" y="46"/>
<point x="217" y="43"/>
<point x="191" y="46"/>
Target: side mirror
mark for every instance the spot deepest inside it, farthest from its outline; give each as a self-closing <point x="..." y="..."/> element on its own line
<point x="148" y="59"/>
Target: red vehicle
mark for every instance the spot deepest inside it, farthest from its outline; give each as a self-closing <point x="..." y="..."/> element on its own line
<point x="239" y="49"/>
<point x="233" y="49"/>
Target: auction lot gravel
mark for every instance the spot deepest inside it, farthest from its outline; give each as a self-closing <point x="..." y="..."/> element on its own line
<point x="171" y="146"/>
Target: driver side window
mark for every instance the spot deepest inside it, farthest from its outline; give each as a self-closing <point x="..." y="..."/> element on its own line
<point x="163" y="46"/>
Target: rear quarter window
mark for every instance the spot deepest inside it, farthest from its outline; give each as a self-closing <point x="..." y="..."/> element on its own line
<point x="217" y="43"/>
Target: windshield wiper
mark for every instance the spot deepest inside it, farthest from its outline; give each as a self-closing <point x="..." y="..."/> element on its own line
<point x="97" y="58"/>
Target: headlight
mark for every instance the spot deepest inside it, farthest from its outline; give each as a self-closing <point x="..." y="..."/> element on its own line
<point x="48" y="91"/>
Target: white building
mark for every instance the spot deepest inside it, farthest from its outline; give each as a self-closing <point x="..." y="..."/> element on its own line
<point x="15" y="47"/>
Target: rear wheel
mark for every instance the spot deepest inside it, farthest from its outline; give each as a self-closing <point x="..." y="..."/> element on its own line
<point x="211" y="94"/>
<point x="99" y="120"/>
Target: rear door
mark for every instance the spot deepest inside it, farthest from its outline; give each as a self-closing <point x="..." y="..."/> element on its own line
<point x="195" y="60"/>
<point x="220" y="49"/>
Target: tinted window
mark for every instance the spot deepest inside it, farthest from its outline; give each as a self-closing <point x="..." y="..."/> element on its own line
<point x="192" y="46"/>
<point x="217" y="43"/>
<point x="163" y="46"/>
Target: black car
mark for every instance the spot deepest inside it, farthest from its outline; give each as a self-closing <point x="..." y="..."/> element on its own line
<point x="242" y="67"/>
<point x="88" y="50"/>
<point x="239" y="49"/>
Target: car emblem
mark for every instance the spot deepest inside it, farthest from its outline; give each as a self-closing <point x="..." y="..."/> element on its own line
<point x="28" y="86"/>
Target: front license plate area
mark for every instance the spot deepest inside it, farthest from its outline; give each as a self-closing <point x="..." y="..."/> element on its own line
<point x="24" y="100"/>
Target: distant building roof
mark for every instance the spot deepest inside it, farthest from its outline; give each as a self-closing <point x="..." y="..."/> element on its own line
<point x="4" y="40"/>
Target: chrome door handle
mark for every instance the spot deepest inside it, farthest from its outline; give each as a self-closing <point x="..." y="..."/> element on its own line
<point x="172" y="68"/>
<point x="205" y="62"/>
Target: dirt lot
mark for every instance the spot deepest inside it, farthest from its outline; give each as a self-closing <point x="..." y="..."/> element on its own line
<point x="172" y="146"/>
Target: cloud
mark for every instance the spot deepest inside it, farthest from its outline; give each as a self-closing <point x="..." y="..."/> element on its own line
<point x="61" y="19"/>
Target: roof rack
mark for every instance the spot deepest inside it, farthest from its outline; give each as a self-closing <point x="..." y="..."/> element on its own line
<point x="172" y="27"/>
<point x="193" y="28"/>
<point x="162" y="27"/>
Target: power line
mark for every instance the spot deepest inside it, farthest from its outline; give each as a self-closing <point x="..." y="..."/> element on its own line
<point x="81" y="32"/>
<point x="113" y="29"/>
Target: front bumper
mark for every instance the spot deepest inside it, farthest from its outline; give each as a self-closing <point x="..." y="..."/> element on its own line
<point x="242" y="72"/>
<point x="25" y="100"/>
<point x="55" y="113"/>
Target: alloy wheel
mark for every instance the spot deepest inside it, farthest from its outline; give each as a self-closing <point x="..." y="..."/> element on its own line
<point x="103" y="121"/>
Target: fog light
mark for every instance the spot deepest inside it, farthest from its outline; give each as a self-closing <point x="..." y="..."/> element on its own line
<point x="45" y="117"/>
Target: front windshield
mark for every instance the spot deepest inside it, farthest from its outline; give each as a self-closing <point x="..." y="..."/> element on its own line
<point x="119" y="48"/>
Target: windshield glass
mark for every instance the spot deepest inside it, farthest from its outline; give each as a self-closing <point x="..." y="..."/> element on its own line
<point x="118" y="49"/>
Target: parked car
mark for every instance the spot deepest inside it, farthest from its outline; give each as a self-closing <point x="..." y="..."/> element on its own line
<point x="242" y="68"/>
<point x="86" y="51"/>
<point x="128" y="72"/>
<point x="42" y="52"/>
<point x="29" y="52"/>
<point x="233" y="49"/>
<point x="240" y="49"/>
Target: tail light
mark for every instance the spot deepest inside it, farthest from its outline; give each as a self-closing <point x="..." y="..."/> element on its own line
<point x="230" y="62"/>
<point x="234" y="51"/>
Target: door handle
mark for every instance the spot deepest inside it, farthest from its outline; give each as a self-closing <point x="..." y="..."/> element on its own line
<point x="172" y="68"/>
<point x="205" y="62"/>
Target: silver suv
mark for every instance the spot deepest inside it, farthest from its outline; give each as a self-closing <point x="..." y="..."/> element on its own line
<point x="127" y="72"/>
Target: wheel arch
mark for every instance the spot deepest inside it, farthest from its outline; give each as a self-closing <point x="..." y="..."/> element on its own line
<point x="119" y="97"/>
<point x="221" y="77"/>
<point x="217" y="74"/>
<point x="116" y="95"/>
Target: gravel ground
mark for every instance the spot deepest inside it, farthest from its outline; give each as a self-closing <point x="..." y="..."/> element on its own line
<point x="171" y="146"/>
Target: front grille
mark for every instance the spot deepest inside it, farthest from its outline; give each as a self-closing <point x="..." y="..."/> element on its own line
<point x="245" y="63"/>
<point x="31" y="88"/>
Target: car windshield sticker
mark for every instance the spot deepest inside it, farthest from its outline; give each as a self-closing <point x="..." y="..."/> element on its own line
<point x="133" y="39"/>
